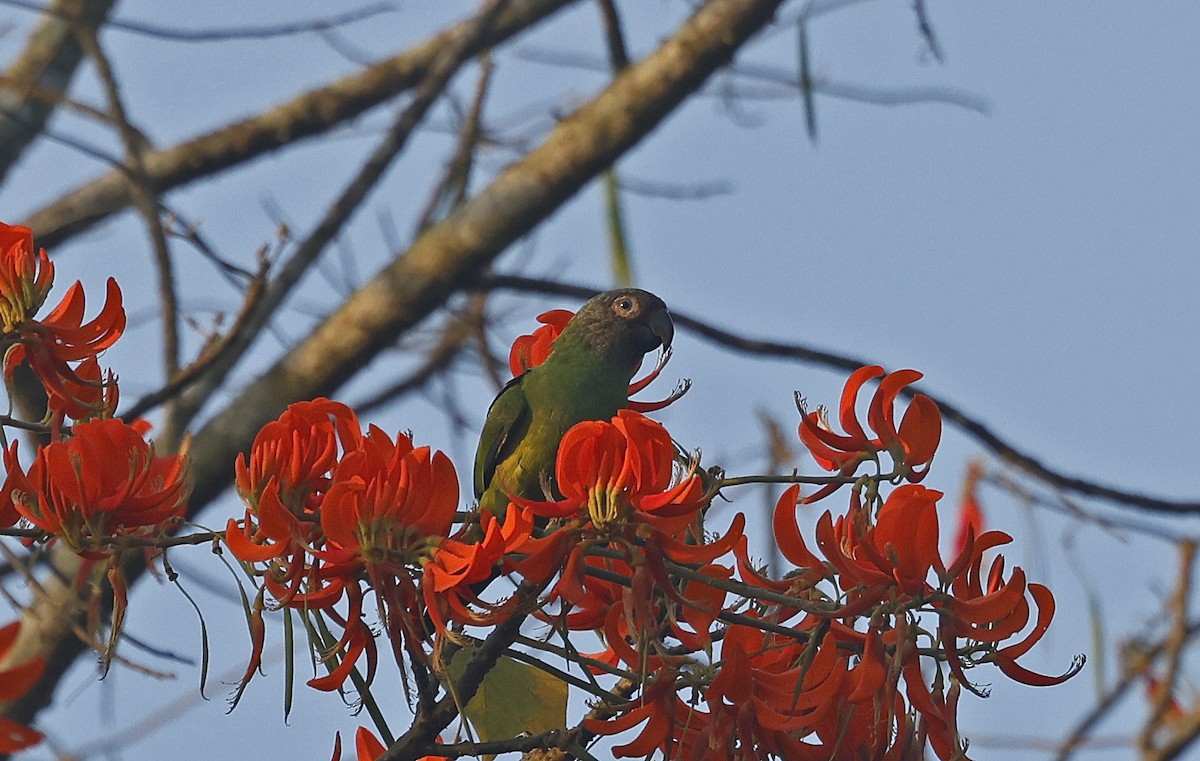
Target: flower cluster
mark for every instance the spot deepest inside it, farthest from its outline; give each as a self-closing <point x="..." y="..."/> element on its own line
<point x="50" y="344"/>
<point x="102" y="485"/>
<point x="620" y="496"/>
<point x="332" y="512"/>
<point x="911" y="444"/>
<point x="98" y="488"/>
<point x="861" y="649"/>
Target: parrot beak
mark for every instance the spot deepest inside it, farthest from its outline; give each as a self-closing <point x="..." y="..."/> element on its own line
<point x="661" y="327"/>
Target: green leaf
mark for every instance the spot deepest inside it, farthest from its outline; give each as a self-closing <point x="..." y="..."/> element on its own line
<point x="514" y="698"/>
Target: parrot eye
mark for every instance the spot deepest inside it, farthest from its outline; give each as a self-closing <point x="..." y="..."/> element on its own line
<point x="625" y="306"/>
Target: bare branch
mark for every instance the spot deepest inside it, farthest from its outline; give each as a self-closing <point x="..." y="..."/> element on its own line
<point x="45" y="66"/>
<point x="451" y="190"/>
<point x="223" y="34"/>
<point x="925" y="27"/>
<point x="447" y="63"/>
<point x="313" y="113"/>
<point x="145" y="198"/>
<point x="212" y="355"/>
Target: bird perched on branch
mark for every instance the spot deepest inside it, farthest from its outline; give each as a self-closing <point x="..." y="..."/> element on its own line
<point x="585" y="377"/>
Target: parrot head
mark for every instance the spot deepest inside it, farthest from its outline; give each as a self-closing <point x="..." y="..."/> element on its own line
<point x="622" y="326"/>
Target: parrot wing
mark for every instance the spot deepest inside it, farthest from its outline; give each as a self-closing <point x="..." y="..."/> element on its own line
<point x="507" y="421"/>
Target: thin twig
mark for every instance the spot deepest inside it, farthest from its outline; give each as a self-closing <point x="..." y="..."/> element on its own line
<point x="444" y="66"/>
<point x="925" y="27"/>
<point x="451" y="189"/>
<point x="146" y="200"/>
<point x="231" y="33"/>
<point x="214" y="353"/>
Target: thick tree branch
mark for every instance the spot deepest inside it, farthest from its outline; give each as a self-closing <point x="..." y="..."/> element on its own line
<point x="444" y="66"/>
<point x="313" y="113"/>
<point x="45" y="66"/>
<point x="451" y="253"/>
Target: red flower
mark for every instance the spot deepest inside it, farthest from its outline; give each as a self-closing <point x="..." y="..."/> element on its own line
<point x="531" y="350"/>
<point x="618" y="473"/>
<point x="988" y="609"/>
<point x="289" y="470"/>
<point x="25" y="277"/>
<point x="911" y="445"/>
<point x="619" y="492"/>
<point x="92" y="396"/>
<point x="368" y="747"/>
<point x="298" y="451"/>
<point x="668" y="721"/>
<point x="103" y="482"/>
<point x="15" y="681"/>
<point x="389" y="508"/>
<point x="459" y="565"/>
<point x="970" y="514"/>
<point x="61" y="337"/>
<point x="388" y="500"/>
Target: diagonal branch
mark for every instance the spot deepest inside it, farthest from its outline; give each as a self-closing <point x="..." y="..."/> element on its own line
<point x="146" y="199"/>
<point x="313" y="113"/>
<point x="449" y="256"/>
<point x="45" y="66"/>
<point x="444" y="66"/>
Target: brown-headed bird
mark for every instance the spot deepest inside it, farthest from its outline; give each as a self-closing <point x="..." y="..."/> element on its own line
<point x="585" y="377"/>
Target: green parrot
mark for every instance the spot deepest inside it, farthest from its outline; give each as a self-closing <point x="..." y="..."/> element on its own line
<point x="585" y="377"/>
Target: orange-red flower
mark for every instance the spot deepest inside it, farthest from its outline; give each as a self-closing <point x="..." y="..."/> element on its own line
<point x="619" y="491"/>
<point x="103" y="482"/>
<point x="335" y="514"/>
<point x="282" y="483"/>
<point x="531" y="350"/>
<point x="15" y="681"/>
<point x="389" y="501"/>
<point x="970" y="513"/>
<point x="910" y="445"/>
<point x="987" y="608"/>
<point x="388" y="508"/>
<point x="62" y="336"/>
<point x="613" y="474"/>
<point x="94" y="395"/>
<point x="59" y="338"/>
<point x="26" y="277"/>
<point x="391" y="507"/>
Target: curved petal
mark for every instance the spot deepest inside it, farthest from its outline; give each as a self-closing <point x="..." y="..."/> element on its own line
<point x="880" y="413"/>
<point x="787" y="532"/>
<point x="847" y="413"/>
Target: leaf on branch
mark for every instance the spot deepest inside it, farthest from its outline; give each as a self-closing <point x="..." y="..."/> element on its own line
<point x="515" y="698"/>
